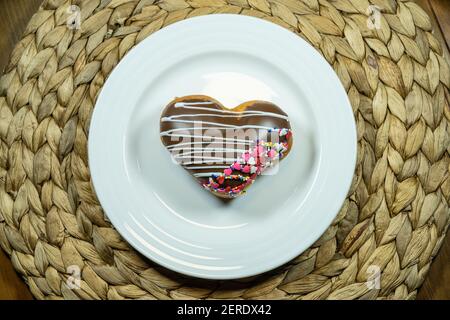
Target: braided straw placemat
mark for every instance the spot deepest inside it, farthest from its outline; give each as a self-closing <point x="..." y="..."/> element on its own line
<point x="395" y="217"/>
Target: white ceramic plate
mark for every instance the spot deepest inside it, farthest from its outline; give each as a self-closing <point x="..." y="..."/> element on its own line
<point x="160" y="209"/>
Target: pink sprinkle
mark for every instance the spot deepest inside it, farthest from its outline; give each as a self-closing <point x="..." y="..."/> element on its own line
<point x="237" y="166"/>
<point x="271" y="153"/>
<point x="262" y="160"/>
<point x="246" y="156"/>
<point x="227" y="171"/>
<point x="246" y="169"/>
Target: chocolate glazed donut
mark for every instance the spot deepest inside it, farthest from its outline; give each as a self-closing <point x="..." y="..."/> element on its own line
<point x="225" y="149"/>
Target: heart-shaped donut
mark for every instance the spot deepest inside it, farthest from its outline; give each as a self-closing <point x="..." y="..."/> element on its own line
<point x="225" y="149"/>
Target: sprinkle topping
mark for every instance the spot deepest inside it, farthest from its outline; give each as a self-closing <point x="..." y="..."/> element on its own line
<point x="252" y="163"/>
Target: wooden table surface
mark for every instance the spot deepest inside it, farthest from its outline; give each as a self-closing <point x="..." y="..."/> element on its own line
<point x="14" y="15"/>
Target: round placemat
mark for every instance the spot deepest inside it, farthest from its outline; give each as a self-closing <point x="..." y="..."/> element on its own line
<point x="381" y="243"/>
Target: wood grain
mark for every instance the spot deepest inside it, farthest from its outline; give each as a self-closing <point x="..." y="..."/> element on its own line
<point x="437" y="284"/>
<point x="14" y="15"/>
<point x="441" y="10"/>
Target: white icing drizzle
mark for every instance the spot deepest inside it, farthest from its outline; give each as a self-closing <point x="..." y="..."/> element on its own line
<point x="173" y="146"/>
<point x="182" y="156"/>
<point x="197" y="152"/>
<point x="206" y="167"/>
<point x="191" y="105"/>
<point x="207" y="137"/>
<point x="231" y="160"/>
<point x="202" y="150"/>
<point x="201" y="122"/>
<point x="206" y="174"/>
<point x="184" y="104"/>
<point x="215" y="128"/>
<point x="274" y="115"/>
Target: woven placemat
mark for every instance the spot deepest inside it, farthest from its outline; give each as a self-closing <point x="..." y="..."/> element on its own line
<point x="395" y="217"/>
